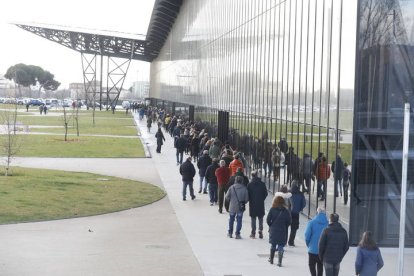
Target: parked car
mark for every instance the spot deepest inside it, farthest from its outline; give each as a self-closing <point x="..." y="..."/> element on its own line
<point x="35" y="102"/>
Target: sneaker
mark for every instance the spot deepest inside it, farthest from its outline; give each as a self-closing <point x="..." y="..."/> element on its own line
<point x="253" y="236"/>
<point x="238" y="237"/>
<point x="220" y="211"/>
<point x="230" y="235"/>
<point x="199" y="191"/>
<point x="184" y="199"/>
<point x="260" y="235"/>
<point x="193" y="197"/>
<point x="205" y="192"/>
<point x="211" y="203"/>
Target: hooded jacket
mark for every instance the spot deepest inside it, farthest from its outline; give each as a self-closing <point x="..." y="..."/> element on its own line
<point x="203" y="162"/>
<point x="298" y="200"/>
<point x="237" y="193"/>
<point x="187" y="171"/>
<point x="313" y="232"/>
<point x="333" y="244"/>
<point x="234" y="165"/>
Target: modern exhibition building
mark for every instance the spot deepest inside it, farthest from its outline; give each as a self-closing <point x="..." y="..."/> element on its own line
<point x="329" y="76"/>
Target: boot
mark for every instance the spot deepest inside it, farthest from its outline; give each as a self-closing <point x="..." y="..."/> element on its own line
<point x="272" y="256"/>
<point x="280" y="255"/>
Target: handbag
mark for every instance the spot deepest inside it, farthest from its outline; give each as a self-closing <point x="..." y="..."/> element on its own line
<point x="242" y="204"/>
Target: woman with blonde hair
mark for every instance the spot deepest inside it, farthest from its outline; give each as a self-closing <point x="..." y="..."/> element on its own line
<point x="278" y="220"/>
<point x="369" y="260"/>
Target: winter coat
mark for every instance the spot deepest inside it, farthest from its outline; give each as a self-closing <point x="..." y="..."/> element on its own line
<point x="313" y="232"/>
<point x="233" y="199"/>
<point x="181" y="144"/>
<point x="307" y="166"/>
<point x="227" y="159"/>
<point x="297" y="200"/>
<point x="211" y="173"/>
<point x="278" y="220"/>
<point x="187" y="171"/>
<point x="223" y="176"/>
<point x="338" y="168"/>
<point x="276" y="158"/>
<point x="160" y="137"/>
<point x="257" y="195"/>
<point x="234" y="165"/>
<point x="149" y="122"/>
<point x="333" y="244"/>
<point x="368" y="262"/>
<point x="323" y="172"/>
<point x="176" y="131"/>
<point x="232" y="179"/>
<point x="214" y="151"/>
<point x="203" y="162"/>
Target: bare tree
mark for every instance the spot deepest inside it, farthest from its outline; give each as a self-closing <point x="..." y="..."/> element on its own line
<point x="9" y="139"/>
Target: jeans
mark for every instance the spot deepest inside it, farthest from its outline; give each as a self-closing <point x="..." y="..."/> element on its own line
<point x="346" y="187"/>
<point x="179" y="156"/>
<point x="212" y="189"/>
<point x="322" y="188"/>
<point x="338" y="183"/>
<point x="253" y="224"/>
<point x="331" y="269"/>
<point x="315" y="264"/>
<point x="202" y="179"/>
<point x="190" y="185"/>
<point x="239" y="217"/>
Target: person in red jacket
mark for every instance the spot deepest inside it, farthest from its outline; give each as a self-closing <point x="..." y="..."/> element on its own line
<point x="223" y="176"/>
<point x="323" y="172"/>
<point x="235" y="164"/>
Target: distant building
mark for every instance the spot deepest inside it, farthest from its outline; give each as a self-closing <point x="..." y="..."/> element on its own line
<point x="77" y="89"/>
<point x="140" y="89"/>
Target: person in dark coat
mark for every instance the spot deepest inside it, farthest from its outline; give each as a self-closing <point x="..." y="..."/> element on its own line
<point x="180" y="144"/>
<point x="307" y="170"/>
<point x="338" y="171"/>
<point x="188" y="172"/>
<point x="278" y="220"/>
<point x="333" y="246"/>
<point x="239" y="172"/>
<point x="369" y="260"/>
<point x="257" y="195"/>
<point x="203" y="162"/>
<point x="298" y="203"/>
<point x="149" y="123"/>
<point x="212" y="181"/>
<point x="236" y="195"/>
<point x="160" y="138"/>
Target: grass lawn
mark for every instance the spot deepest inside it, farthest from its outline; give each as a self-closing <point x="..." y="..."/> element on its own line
<point x="39" y="195"/>
<point x="83" y="146"/>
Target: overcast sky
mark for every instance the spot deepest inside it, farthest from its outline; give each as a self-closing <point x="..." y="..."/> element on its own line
<point x="20" y="46"/>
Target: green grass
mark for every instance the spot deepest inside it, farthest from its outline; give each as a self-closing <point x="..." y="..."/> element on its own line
<point x="39" y="195"/>
<point x="83" y="146"/>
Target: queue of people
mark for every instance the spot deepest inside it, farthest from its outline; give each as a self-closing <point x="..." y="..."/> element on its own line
<point x="222" y="176"/>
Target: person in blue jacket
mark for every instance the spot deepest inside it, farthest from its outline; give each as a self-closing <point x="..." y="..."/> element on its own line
<point x="369" y="260"/>
<point x="312" y="234"/>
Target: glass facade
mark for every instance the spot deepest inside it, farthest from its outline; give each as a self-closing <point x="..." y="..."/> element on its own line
<point x="384" y="82"/>
<point x="274" y="69"/>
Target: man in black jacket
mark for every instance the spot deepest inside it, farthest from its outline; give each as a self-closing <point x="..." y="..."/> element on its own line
<point x="257" y="195"/>
<point x="203" y="162"/>
<point x="212" y="181"/>
<point x="333" y="246"/>
<point x="188" y="172"/>
<point x="180" y="145"/>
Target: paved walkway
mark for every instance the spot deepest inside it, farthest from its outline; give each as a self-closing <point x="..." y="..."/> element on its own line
<point x="169" y="237"/>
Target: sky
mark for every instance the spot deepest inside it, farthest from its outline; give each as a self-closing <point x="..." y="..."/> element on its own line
<point x="20" y="46"/>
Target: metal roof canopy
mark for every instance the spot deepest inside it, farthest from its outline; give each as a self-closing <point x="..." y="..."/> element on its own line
<point x="106" y="43"/>
<point x="115" y="44"/>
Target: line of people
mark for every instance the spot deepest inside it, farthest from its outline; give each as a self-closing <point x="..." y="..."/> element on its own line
<point x="221" y="173"/>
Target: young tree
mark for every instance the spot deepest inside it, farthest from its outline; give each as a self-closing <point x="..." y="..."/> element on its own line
<point x="9" y="139"/>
